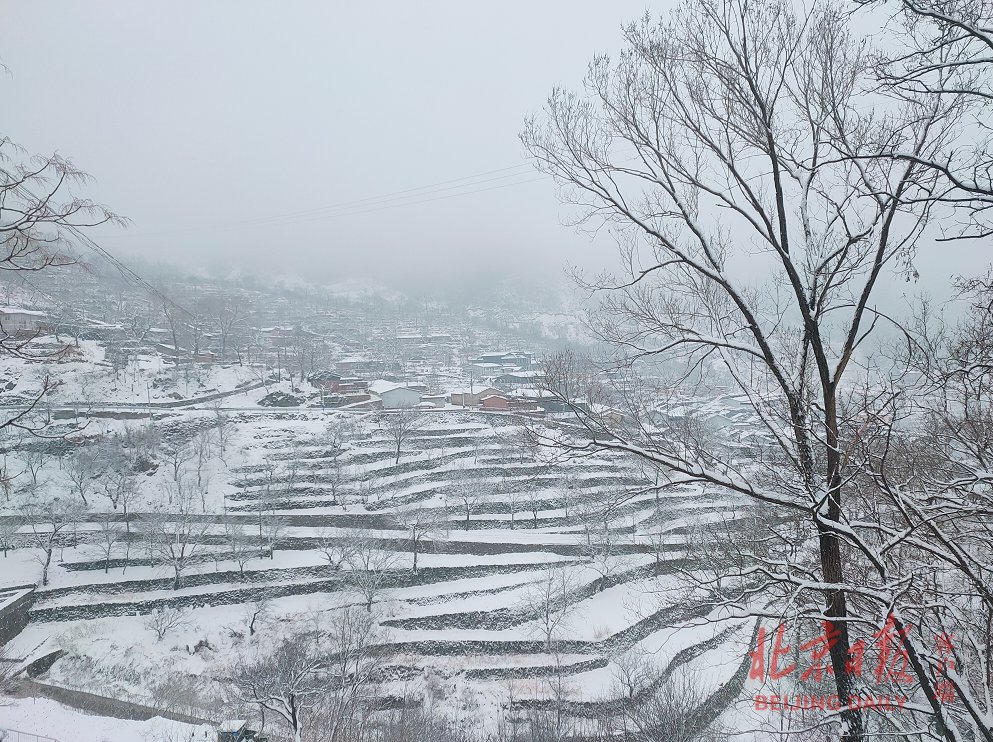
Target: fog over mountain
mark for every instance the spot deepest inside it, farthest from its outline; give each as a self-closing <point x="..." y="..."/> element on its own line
<point x="320" y="140"/>
<point x="225" y="131"/>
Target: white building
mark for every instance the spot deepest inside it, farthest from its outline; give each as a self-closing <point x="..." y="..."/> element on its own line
<point x="17" y="321"/>
<point x="395" y="396"/>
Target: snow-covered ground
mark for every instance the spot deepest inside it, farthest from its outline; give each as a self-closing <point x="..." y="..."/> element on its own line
<point x="47" y="718"/>
<point x="476" y="575"/>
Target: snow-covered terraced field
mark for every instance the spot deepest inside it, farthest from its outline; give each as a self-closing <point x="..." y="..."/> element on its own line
<point x="468" y="615"/>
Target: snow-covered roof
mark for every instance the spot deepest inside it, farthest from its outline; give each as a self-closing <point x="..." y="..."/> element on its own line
<point x="533" y="393"/>
<point x="20" y="310"/>
<point x="525" y="374"/>
<point x="477" y="389"/>
<point x="381" y="387"/>
<point x="99" y="323"/>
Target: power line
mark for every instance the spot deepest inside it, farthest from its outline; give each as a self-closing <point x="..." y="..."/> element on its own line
<point x="126" y="271"/>
<point x="372" y="209"/>
<point x="456" y="186"/>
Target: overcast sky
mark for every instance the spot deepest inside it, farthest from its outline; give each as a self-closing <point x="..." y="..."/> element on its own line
<point x="228" y="130"/>
<point x="197" y="117"/>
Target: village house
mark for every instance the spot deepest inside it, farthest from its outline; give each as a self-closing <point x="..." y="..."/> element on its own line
<point x="520" y="360"/>
<point x="519" y="378"/>
<point x="471" y="397"/>
<point x="170" y="351"/>
<point x="495" y="402"/>
<point x="486" y="369"/>
<point x="352" y="384"/>
<point x="327" y="381"/>
<point x="344" y="399"/>
<point x="18" y="321"/>
<point x="353" y="364"/>
<point x="395" y="396"/>
<point x="542" y="399"/>
<point x="435" y="400"/>
<point x="276" y="337"/>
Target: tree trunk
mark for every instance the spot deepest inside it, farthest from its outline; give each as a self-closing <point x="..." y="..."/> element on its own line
<point x="295" y="720"/>
<point x="44" y="567"/>
<point x="836" y="604"/>
<point x="127" y="538"/>
<point x="261" y="539"/>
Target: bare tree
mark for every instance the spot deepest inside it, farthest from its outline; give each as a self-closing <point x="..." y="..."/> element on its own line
<point x="633" y="673"/>
<point x="83" y="466"/>
<point x="117" y="478"/>
<point x="464" y="492"/>
<point x="203" y="447"/>
<point x="370" y="567"/>
<point x="285" y="682"/>
<point x="256" y="612"/>
<point x="657" y="537"/>
<point x="672" y="712"/>
<point x="9" y="526"/>
<point x="399" y="425"/>
<point x="278" y="484"/>
<point x="107" y="538"/>
<point x="228" y="316"/>
<point x="6" y="478"/>
<point x="32" y="456"/>
<point x="336" y="547"/>
<point x="552" y="599"/>
<point x="921" y="493"/>
<point x="422" y="523"/>
<point x="239" y="543"/>
<point x="600" y="547"/>
<point x="222" y="427"/>
<point x="175" y="537"/>
<point x="42" y="223"/>
<point x="272" y="530"/>
<point x="177" y="455"/>
<point x="941" y="50"/>
<point x="52" y="525"/>
<point x="352" y="667"/>
<point x="121" y="486"/>
<point x="322" y="679"/>
<point x="533" y="501"/>
<point x="725" y="549"/>
<point x="741" y="131"/>
<point x="339" y="434"/>
<point x="164" y="620"/>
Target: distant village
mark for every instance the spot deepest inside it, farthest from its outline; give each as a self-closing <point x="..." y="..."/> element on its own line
<point x="347" y="363"/>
